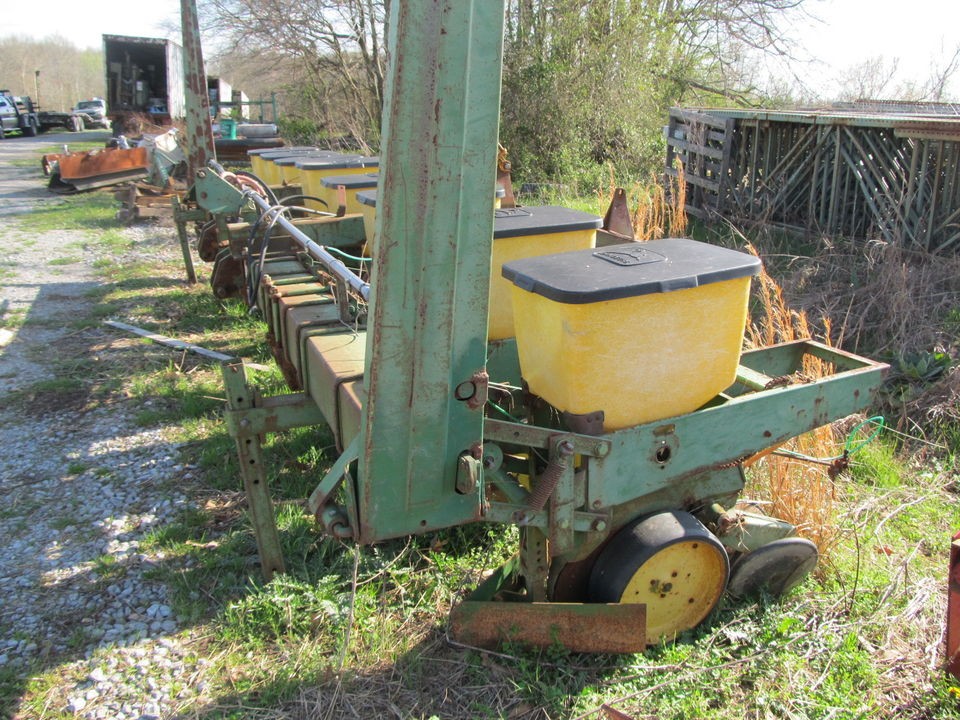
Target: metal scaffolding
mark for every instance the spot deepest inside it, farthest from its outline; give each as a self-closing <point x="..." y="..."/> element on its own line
<point x="858" y="170"/>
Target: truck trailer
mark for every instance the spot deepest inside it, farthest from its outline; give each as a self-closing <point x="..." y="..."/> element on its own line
<point x="144" y="77"/>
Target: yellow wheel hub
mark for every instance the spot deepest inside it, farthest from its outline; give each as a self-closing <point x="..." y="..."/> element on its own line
<point x="669" y="562"/>
<point x="680" y="585"/>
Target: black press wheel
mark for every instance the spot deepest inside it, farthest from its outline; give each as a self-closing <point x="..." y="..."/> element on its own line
<point x="669" y="561"/>
<point x="774" y="568"/>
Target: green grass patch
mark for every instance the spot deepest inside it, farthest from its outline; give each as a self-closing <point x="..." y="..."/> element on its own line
<point x="13" y="318"/>
<point x="27" y="163"/>
<point x="88" y="211"/>
<point x="44" y="393"/>
<point x="108" y="569"/>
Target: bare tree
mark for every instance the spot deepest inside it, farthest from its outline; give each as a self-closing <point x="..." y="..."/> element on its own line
<point x="941" y="75"/>
<point x="583" y="79"/>
<point x="333" y="50"/>
<point x="878" y="78"/>
<point x="871" y="79"/>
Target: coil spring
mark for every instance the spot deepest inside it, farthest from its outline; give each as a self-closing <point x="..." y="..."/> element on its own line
<point x="547" y="481"/>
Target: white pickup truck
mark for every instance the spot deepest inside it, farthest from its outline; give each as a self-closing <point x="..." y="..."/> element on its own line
<point x="93" y="113"/>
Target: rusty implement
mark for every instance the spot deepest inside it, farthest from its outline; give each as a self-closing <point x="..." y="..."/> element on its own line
<point x="621" y="537"/>
<point x="577" y="627"/>
<point x="77" y="172"/>
<point x="142" y="200"/>
<point x="200" y="147"/>
<point x="616" y="222"/>
<point x="489" y="620"/>
<point x="953" y="609"/>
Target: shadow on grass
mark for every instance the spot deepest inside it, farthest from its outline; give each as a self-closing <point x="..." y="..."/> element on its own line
<point x="305" y="615"/>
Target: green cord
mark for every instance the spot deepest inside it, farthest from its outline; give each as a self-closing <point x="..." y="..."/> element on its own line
<point x="877" y="420"/>
<point x="347" y="256"/>
<point x="500" y="409"/>
<point x="848" y="447"/>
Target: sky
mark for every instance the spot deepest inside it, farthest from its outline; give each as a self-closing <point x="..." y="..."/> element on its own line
<point x="916" y="33"/>
<point x="84" y="23"/>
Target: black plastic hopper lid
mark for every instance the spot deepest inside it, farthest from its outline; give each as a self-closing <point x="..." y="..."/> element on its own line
<point x="350" y="181"/>
<point x="629" y="270"/>
<point x="540" y="220"/>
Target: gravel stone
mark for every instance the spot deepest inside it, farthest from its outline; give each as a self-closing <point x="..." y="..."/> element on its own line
<point x="81" y="485"/>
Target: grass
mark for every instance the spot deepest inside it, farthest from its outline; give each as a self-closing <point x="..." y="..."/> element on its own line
<point x="76" y="146"/>
<point x="13" y="318"/>
<point x="87" y="211"/>
<point x="361" y="632"/>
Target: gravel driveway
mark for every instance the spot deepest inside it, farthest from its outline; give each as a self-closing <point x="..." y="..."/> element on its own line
<point x="80" y="485"/>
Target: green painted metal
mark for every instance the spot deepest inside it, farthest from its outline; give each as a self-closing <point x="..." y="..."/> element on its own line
<point x="181" y="224"/>
<point x="901" y="117"/>
<point x="240" y="400"/>
<point x="217" y="196"/>
<point x="708" y="439"/>
<point x="272" y="415"/>
<point x="319" y="501"/>
<point x="428" y="307"/>
<point x="433" y="451"/>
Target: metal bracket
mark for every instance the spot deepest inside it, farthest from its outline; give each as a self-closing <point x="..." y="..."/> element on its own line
<point x="513" y="433"/>
<point x="240" y="401"/>
<point x="273" y="414"/>
<point x="533" y="562"/>
<point x="319" y="500"/>
<point x="563" y="502"/>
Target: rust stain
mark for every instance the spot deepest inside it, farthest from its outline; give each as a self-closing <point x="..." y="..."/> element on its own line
<point x="578" y="627"/>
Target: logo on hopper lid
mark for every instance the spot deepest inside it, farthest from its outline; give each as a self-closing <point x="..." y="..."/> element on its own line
<point x="630" y="256"/>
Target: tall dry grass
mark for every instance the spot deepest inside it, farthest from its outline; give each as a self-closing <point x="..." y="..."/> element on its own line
<point x="659" y="207"/>
<point x="799" y="491"/>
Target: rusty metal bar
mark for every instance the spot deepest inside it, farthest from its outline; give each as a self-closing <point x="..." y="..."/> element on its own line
<point x="181" y="224"/>
<point x="200" y="147"/>
<point x="240" y="398"/>
<point x="953" y="609"/>
<point x="588" y="627"/>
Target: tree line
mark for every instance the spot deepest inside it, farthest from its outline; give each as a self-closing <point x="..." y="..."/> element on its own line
<point x="66" y="73"/>
<point x="586" y="83"/>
